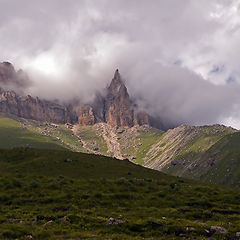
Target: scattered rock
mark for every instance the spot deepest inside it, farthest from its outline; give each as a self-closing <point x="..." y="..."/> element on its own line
<point x="68" y="160"/>
<point x="64" y="219"/>
<point x="174" y="163"/>
<point x="113" y="221"/>
<point x="189" y="168"/>
<point x="48" y="223"/>
<point x="190" y="229"/>
<point x="29" y="237"/>
<point x="218" y="229"/>
<point x="121" y="131"/>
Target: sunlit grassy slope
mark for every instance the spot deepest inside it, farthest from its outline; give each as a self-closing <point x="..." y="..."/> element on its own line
<point x="226" y="166"/>
<point x="19" y="132"/>
<point x="13" y="134"/>
<point x="207" y="153"/>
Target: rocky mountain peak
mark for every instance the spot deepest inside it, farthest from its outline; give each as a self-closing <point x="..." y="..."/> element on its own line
<point x="7" y="72"/>
<point x="115" y="107"/>
<point x="116" y="84"/>
<point x="10" y="79"/>
<point x="7" y="65"/>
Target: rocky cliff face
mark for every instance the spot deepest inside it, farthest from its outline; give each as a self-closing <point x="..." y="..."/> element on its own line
<point x="115" y="108"/>
<point x="11" y="79"/>
<point x="86" y="115"/>
<point x="118" y="107"/>
<point x="27" y="106"/>
<point x="33" y="108"/>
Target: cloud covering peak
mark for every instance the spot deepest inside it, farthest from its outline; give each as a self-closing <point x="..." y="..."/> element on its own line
<point x="179" y="58"/>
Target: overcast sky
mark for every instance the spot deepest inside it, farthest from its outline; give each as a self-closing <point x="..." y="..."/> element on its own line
<point x="180" y="58"/>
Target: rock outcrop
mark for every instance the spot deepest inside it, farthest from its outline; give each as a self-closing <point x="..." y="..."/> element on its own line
<point x="141" y="118"/>
<point x="33" y="108"/>
<point x="86" y="115"/>
<point x="11" y="79"/>
<point x="114" y="108"/>
<point x="118" y="107"/>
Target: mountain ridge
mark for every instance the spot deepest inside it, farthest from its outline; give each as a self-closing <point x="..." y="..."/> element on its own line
<point x="116" y="108"/>
<point x="206" y="153"/>
<point x="112" y="126"/>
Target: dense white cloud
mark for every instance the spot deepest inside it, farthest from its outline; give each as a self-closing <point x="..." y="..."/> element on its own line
<point x="181" y="56"/>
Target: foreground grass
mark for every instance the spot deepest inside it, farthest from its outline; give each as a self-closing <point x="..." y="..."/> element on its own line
<point x="46" y="194"/>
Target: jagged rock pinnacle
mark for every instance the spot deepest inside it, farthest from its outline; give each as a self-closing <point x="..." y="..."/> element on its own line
<point x="116" y="74"/>
<point x="116" y="84"/>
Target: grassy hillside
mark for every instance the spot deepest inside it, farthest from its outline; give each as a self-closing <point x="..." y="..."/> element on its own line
<point x="13" y="134"/>
<point x="49" y="194"/>
<point x="121" y="142"/>
<point x="221" y="161"/>
<point x="212" y="155"/>
<point x="19" y="132"/>
<point x="194" y="152"/>
<point x="131" y="143"/>
<point x="207" y="153"/>
<point x="183" y="145"/>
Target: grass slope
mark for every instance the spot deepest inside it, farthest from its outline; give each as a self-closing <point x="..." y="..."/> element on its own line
<point x="94" y="141"/>
<point x="194" y="152"/>
<point x="50" y="194"/>
<point x="223" y="161"/>
<point x="219" y="163"/>
<point x="13" y="134"/>
<point x="18" y="132"/>
<point x="207" y="153"/>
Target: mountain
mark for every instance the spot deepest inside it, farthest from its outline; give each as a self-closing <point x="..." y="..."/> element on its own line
<point x="114" y="108"/>
<point x="11" y="79"/>
<point x="112" y="126"/>
<point x="13" y="84"/>
<point x="206" y="153"/>
<point x="33" y="108"/>
<point x="50" y="189"/>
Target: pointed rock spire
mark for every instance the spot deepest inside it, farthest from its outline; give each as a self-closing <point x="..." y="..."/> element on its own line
<point x="116" y="84"/>
<point x="116" y="74"/>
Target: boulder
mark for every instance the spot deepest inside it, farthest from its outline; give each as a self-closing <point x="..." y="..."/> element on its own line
<point x="218" y="229"/>
<point x="113" y="221"/>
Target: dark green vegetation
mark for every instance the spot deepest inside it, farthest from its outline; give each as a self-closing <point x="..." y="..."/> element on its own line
<point x="52" y="194"/>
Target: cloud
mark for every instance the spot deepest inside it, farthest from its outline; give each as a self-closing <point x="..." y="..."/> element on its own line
<point x="180" y="96"/>
<point x="181" y="56"/>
